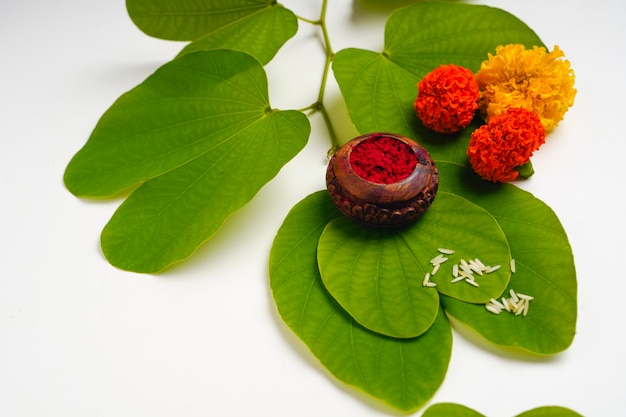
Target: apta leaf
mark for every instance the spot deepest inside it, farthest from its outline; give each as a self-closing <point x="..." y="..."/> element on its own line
<point x="200" y="136"/>
<point x="450" y="410"/>
<point x="257" y="27"/>
<point x="380" y="88"/>
<point x="544" y="265"/>
<point x="404" y="373"/>
<point x="458" y="410"/>
<point x="384" y="5"/>
<point x="550" y="411"/>
<point x="377" y="275"/>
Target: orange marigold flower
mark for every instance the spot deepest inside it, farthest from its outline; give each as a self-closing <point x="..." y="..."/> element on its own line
<point x="533" y="79"/>
<point x="447" y="98"/>
<point x="506" y="142"/>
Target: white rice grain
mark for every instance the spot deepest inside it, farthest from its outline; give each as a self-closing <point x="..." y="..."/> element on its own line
<point x="466" y="269"/>
<point x="472" y="282"/>
<point x="426" y="280"/>
<point x="480" y="264"/>
<point x="475" y="267"/>
<point x="438" y="260"/>
<point x="496" y="303"/>
<point x="457" y="279"/>
<point x="491" y="269"/>
<point x="493" y="309"/>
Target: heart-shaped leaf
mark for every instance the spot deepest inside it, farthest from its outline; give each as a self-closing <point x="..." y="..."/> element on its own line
<point x="544" y="267"/>
<point x="378" y="275"/>
<point x="450" y="410"/>
<point x="201" y="136"/>
<point x="380" y="88"/>
<point x="257" y="27"/>
<point x="376" y="278"/>
<point x="404" y="373"/>
<point x="550" y="411"/>
<point x="457" y="410"/>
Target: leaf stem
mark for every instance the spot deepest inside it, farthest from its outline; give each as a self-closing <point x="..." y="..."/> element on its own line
<point x="319" y="104"/>
<point x="310" y="21"/>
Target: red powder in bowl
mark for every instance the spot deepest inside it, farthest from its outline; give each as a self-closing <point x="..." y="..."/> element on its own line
<point x="383" y="160"/>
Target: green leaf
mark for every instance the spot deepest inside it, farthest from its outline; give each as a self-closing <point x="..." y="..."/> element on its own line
<point x="544" y="266"/>
<point x="257" y="27"/>
<point x="404" y="373"/>
<point x="261" y="35"/>
<point x="457" y="410"/>
<point x="384" y="5"/>
<point x="550" y="411"/>
<point x="380" y="88"/>
<point x="200" y="136"/>
<point x="450" y="410"/>
<point x="376" y="278"/>
<point x="377" y="275"/>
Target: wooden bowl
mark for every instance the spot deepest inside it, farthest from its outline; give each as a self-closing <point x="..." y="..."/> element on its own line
<point x="378" y="204"/>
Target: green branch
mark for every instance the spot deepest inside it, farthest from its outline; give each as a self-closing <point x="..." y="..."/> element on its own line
<point x="319" y="104"/>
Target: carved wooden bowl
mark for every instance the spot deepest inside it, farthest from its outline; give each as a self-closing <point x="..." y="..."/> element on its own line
<point x="379" y="204"/>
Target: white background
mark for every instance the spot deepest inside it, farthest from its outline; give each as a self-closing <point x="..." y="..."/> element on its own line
<point x="81" y="338"/>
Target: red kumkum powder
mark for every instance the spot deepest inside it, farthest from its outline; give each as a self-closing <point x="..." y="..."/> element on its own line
<point x="383" y="160"/>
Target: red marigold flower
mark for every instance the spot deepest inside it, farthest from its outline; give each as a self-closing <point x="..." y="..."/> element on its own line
<point x="506" y="142"/>
<point x="447" y="98"/>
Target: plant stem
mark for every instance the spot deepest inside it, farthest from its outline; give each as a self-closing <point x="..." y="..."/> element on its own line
<point x="319" y="104"/>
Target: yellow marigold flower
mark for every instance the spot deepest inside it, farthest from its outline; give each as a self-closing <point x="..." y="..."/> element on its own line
<point x="533" y="79"/>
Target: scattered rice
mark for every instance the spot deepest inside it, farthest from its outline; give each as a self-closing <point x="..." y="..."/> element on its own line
<point x="496" y="303"/>
<point x="465" y="267"/>
<point x="427" y="282"/>
<point x="467" y="271"/>
<point x="493" y="309"/>
<point x="517" y="304"/>
<point x="464" y="270"/>
<point x="480" y="264"/>
<point x="475" y="268"/>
